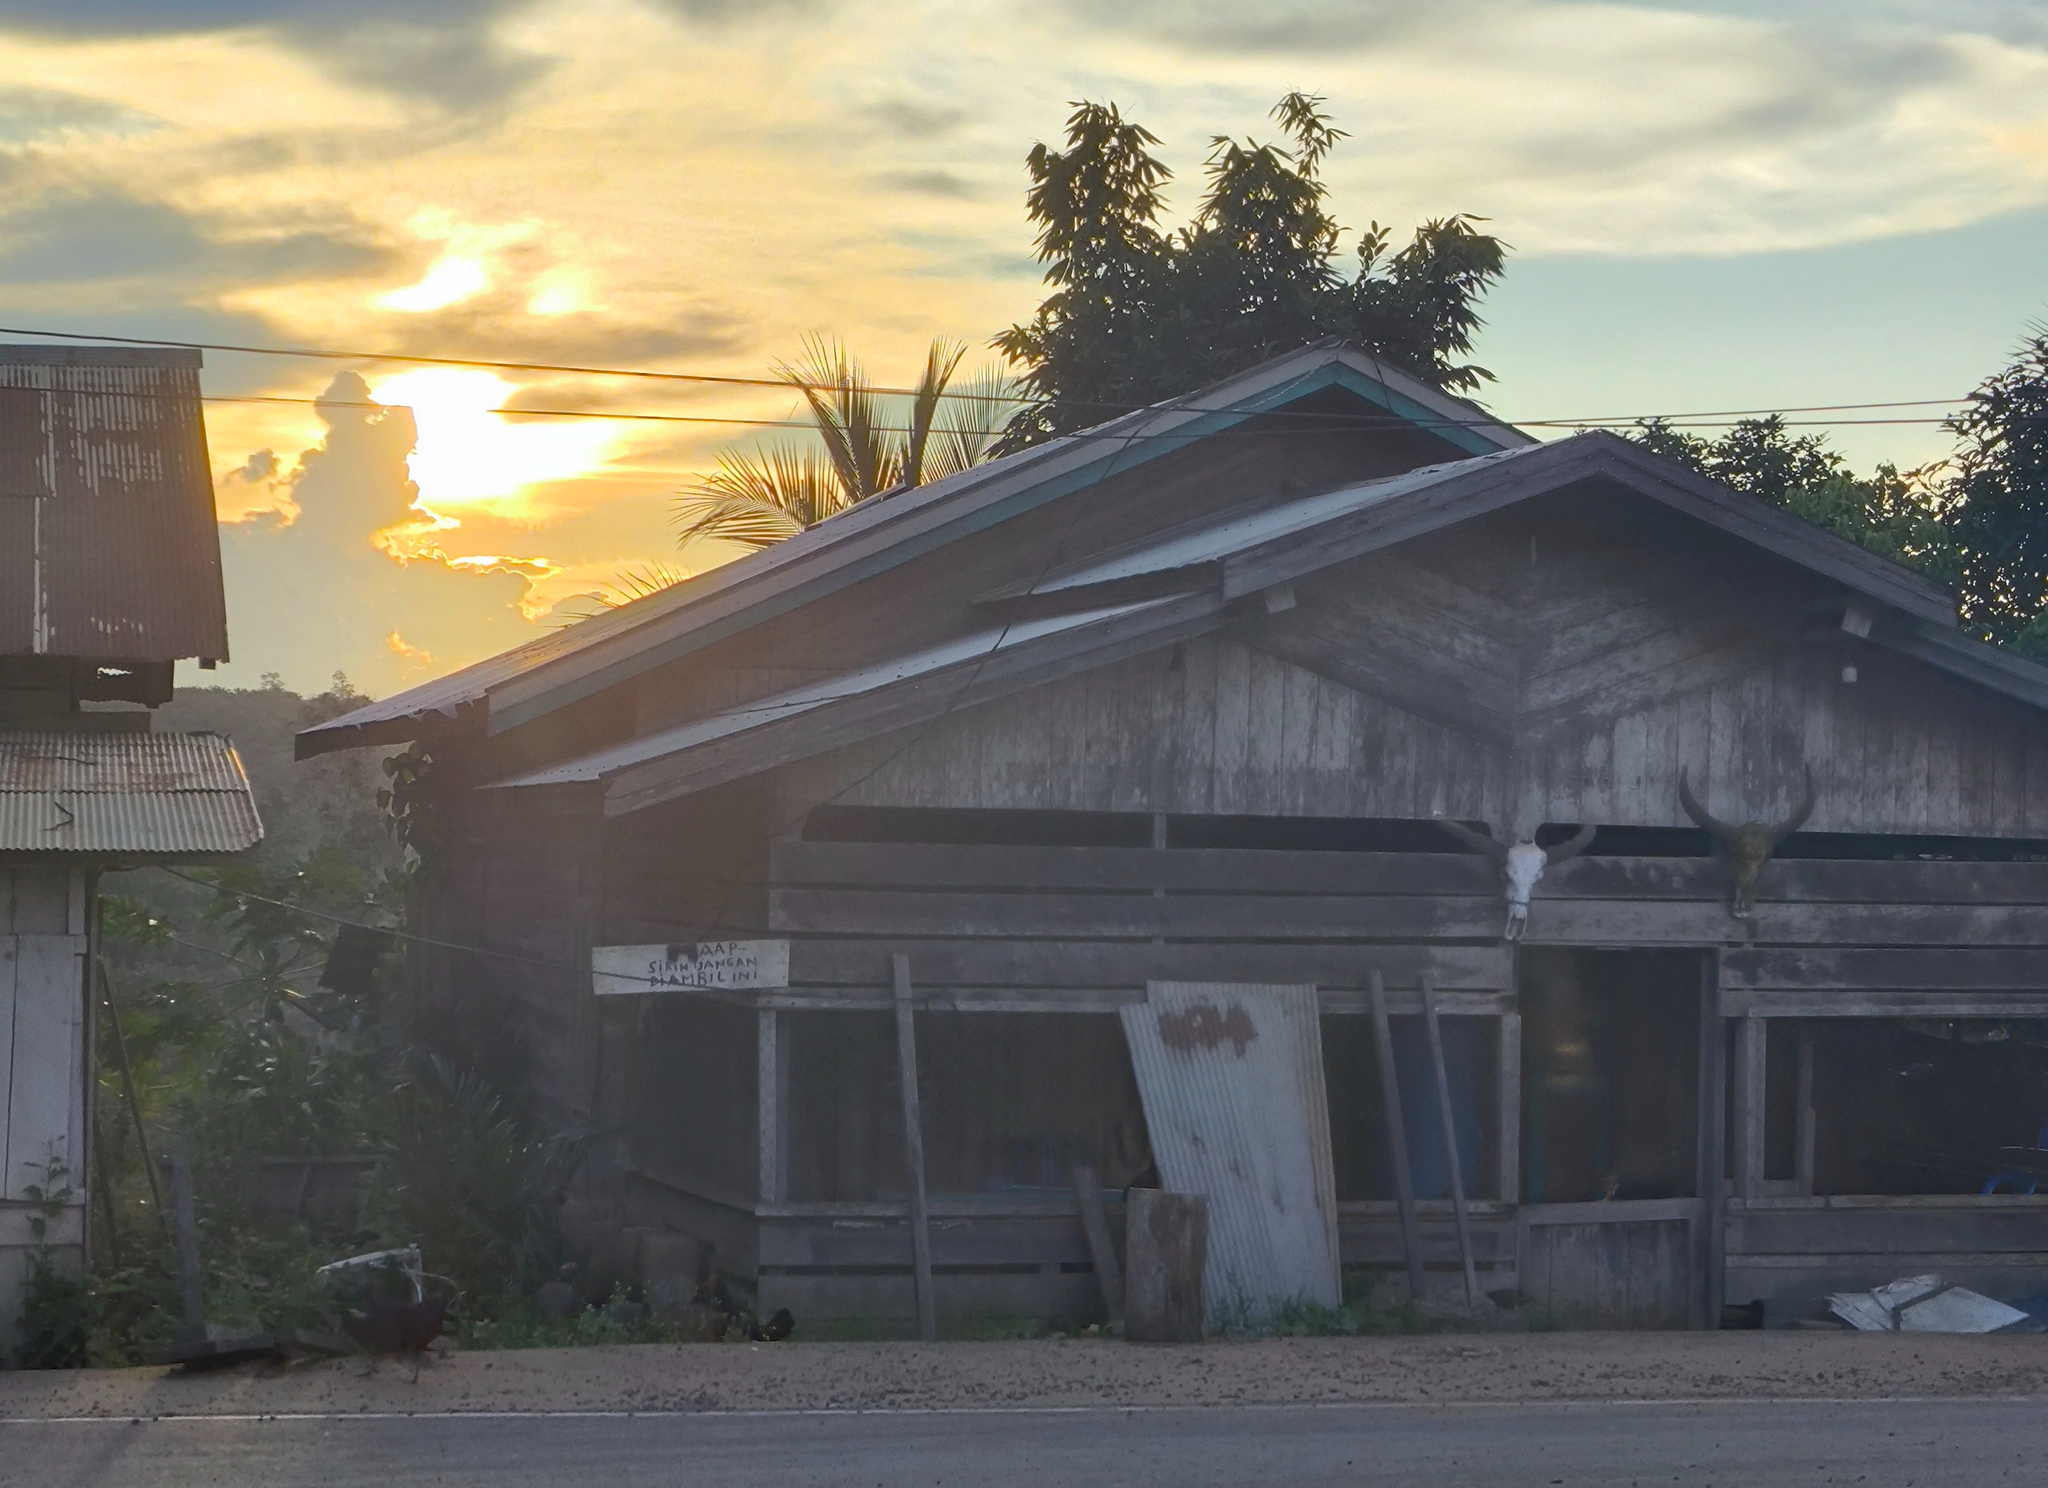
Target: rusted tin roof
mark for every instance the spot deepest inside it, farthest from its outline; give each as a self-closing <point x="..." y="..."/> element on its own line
<point x="108" y="548"/>
<point x="124" y="794"/>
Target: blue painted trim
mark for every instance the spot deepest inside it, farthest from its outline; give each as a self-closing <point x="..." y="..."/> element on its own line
<point x="1473" y="441"/>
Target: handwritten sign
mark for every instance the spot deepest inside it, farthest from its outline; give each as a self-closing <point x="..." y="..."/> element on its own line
<point x="712" y="966"/>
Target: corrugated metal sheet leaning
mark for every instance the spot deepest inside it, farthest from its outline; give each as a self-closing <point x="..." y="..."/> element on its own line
<point x="122" y="794"/>
<point x="1231" y="1077"/>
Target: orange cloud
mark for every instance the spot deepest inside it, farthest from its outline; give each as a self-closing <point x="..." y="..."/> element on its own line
<point x="413" y="659"/>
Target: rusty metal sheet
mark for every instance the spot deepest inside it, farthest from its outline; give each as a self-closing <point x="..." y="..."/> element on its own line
<point x="1231" y="1077"/>
<point x="106" y="507"/>
<point x="124" y="794"/>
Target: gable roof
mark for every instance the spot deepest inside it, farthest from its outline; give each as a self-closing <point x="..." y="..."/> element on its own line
<point x="1250" y="553"/>
<point x="1197" y="573"/>
<point x="878" y="535"/>
<point x="108" y="545"/>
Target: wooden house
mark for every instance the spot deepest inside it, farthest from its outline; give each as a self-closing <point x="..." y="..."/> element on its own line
<point x="1188" y="697"/>
<point x="109" y="576"/>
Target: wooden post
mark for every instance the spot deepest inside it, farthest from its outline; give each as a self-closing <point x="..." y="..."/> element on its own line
<point x="913" y="1151"/>
<point x="1803" y="1141"/>
<point x="191" y="1280"/>
<point x="1158" y="845"/>
<point x="1443" y="1106"/>
<point x="1710" y="1241"/>
<point x="1510" y="1113"/>
<point x="1095" y="1228"/>
<point x="1397" y="1135"/>
<point x="1166" y="1241"/>
<point x="770" y="1064"/>
<point x="1748" y="1075"/>
<point x="156" y="1193"/>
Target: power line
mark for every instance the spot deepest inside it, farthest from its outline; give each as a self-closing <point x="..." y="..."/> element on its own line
<point x="1324" y="421"/>
<point x="724" y="380"/>
<point x="714" y="379"/>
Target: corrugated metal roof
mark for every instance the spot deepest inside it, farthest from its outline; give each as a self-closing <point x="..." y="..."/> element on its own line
<point x="108" y="544"/>
<point x="119" y="794"/>
<point x="876" y="533"/>
<point x="1208" y="544"/>
<point x="813" y="695"/>
<point x="1231" y="1078"/>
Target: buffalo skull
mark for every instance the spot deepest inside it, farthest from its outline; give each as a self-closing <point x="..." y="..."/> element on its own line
<point x="1748" y="845"/>
<point x="1521" y="865"/>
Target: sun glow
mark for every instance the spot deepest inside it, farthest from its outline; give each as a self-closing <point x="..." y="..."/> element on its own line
<point x="469" y="455"/>
<point x="449" y="280"/>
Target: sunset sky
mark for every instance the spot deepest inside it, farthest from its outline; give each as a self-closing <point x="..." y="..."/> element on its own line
<point x="1725" y="204"/>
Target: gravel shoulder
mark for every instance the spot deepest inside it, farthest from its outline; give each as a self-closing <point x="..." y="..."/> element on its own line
<point x="1440" y="1370"/>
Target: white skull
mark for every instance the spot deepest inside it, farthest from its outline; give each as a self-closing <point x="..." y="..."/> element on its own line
<point x="1522" y="866"/>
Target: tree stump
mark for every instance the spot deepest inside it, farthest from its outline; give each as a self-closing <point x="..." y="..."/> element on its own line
<point x="1166" y="1247"/>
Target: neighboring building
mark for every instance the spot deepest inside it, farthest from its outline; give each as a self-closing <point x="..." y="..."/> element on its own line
<point x="1180" y="699"/>
<point x="109" y="575"/>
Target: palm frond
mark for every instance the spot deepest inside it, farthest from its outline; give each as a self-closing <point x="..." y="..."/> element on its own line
<point x="970" y="424"/>
<point x="844" y="410"/>
<point x="760" y="497"/>
<point x="941" y="361"/>
<point x="739" y="519"/>
<point x="624" y="588"/>
<point x="638" y="583"/>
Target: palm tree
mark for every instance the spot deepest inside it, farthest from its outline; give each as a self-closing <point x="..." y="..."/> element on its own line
<point x="762" y="496"/>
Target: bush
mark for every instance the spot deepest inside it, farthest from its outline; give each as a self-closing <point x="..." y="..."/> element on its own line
<point x="56" y="1325"/>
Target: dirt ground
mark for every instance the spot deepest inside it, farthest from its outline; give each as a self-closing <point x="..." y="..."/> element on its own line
<point x="903" y="1376"/>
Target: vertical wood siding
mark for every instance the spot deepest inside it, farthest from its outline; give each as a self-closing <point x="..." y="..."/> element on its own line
<point x="1453" y="676"/>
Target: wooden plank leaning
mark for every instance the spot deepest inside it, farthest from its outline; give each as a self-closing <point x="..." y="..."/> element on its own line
<point x="1095" y="1229"/>
<point x="913" y="1151"/>
<point x="1451" y="1164"/>
<point x="1397" y="1135"/>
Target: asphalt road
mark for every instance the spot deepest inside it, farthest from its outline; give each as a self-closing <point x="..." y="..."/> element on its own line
<point x="1873" y="1443"/>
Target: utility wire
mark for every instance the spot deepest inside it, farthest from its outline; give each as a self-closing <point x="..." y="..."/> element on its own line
<point x="1324" y="421"/>
<point x="335" y="919"/>
<point x="726" y="380"/>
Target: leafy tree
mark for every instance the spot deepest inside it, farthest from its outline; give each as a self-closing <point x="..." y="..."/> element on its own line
<point x="1998" y="502"/>
<point x="761" y="496"/>
<point x="1138" y="313"/>
<point x="1896" y="515"/>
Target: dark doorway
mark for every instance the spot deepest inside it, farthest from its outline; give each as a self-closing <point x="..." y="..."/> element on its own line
<point x="1610" y="1075"/>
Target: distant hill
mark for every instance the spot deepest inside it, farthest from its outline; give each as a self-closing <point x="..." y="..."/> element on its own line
<point x="303" y="803"/>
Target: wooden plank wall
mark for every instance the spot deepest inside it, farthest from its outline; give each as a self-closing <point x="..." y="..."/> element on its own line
<point x="1453" y="675"/>
<point x="1802" y="1248"/>
<point x="518" y="882"/>
<point x="44" y="1032"/>
<point x="1087" y="927"/>
<point x="852" y="1262"/>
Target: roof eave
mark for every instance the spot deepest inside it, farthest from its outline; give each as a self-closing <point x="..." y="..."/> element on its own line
<point x="920" y="698"/>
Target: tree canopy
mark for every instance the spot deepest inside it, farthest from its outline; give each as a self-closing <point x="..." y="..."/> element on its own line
<point x="1998" y="502"/>
<point x="1976" y="523"/>
<point x="1138" y="312"/>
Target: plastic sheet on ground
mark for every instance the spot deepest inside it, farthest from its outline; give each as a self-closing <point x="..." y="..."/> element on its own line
<point x="1922" y="1304"/>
